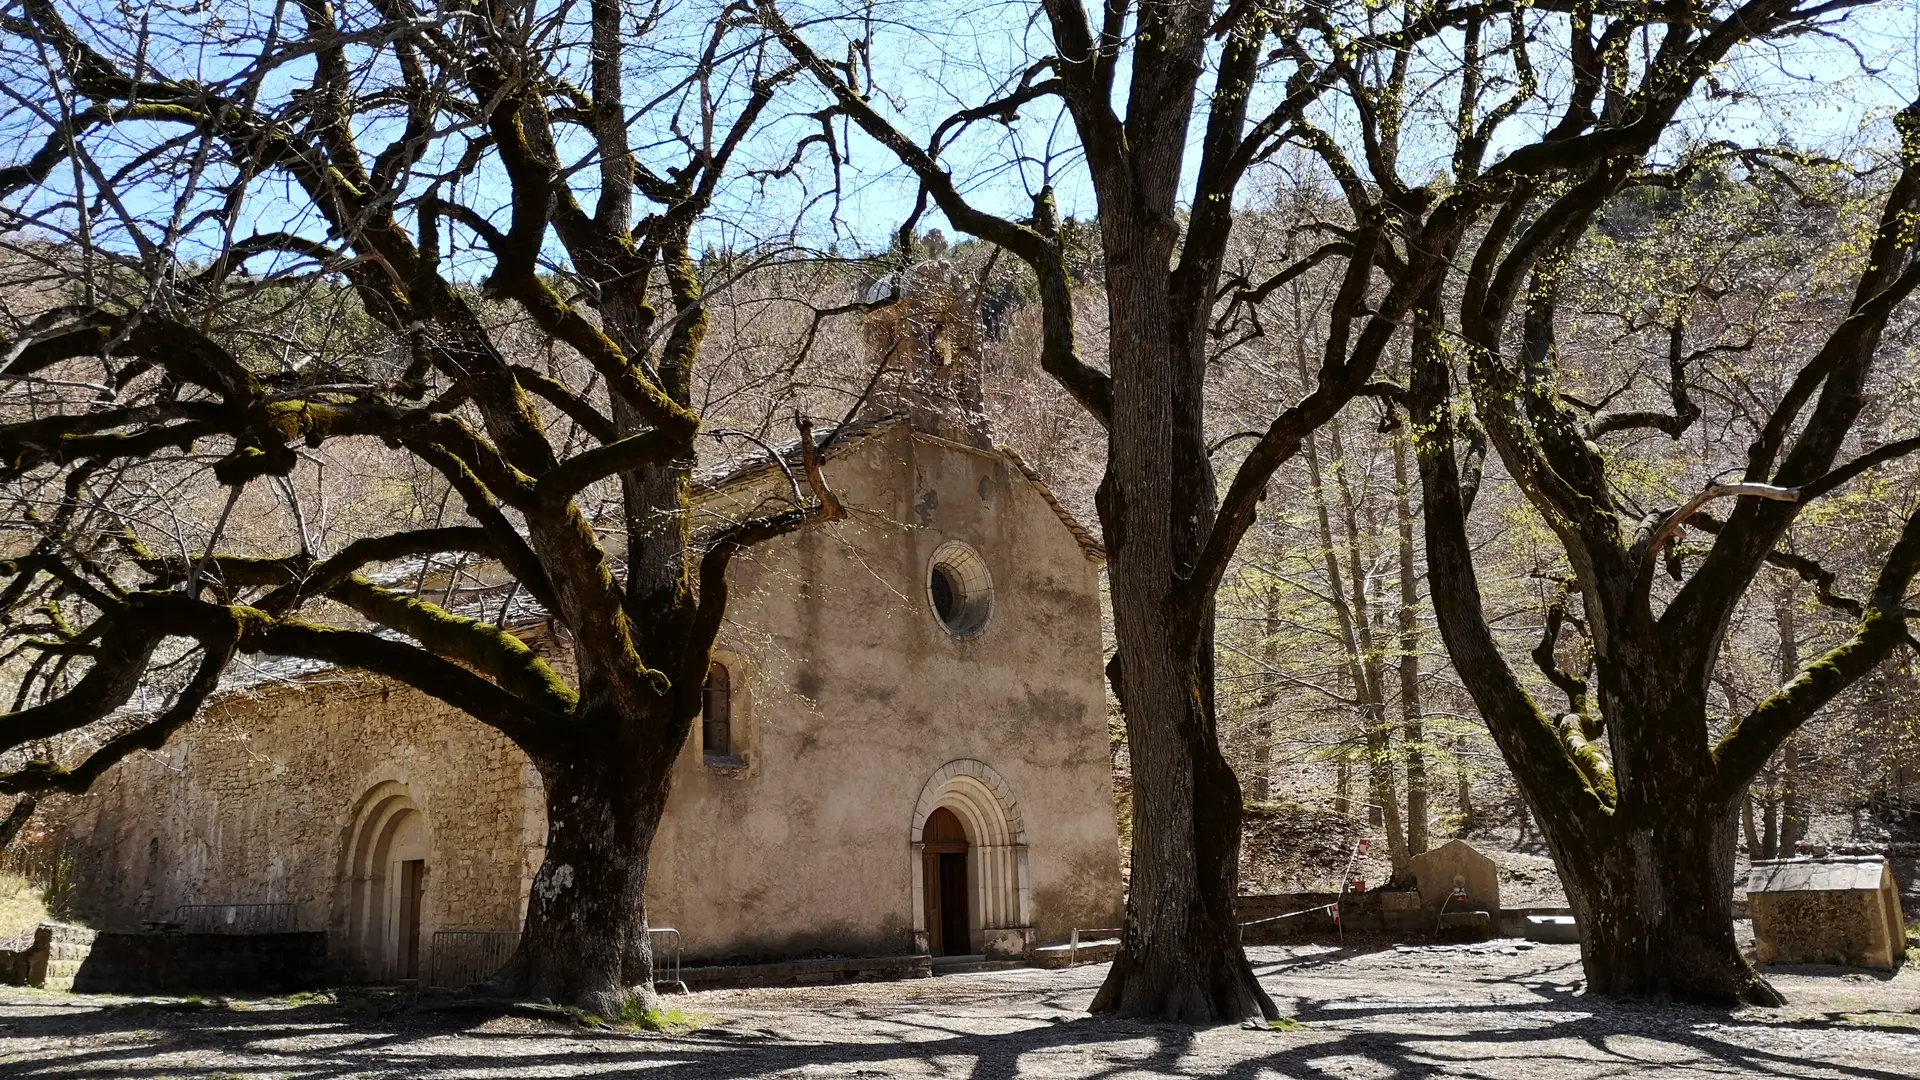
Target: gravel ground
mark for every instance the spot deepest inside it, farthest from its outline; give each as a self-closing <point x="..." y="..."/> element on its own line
<point x="1505" y="1010"/>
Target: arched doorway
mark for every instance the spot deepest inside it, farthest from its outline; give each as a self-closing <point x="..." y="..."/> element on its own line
<point x="943" y="863"/>
<point x="969" y="863"/>
<point x="385" y="882"/>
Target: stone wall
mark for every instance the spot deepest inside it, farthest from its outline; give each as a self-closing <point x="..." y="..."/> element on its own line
<point x="1846" y="928"/>
<point x="254" y="803"/>
<point x="1381" y="911"/>
<point x="1394" y="912"/>
<point x="50" y="960"/>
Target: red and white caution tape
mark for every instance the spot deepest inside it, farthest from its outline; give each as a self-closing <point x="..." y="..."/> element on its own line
<point x="1331" y="909"/>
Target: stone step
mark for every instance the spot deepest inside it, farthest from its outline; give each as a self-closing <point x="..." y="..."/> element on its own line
<point x="1553" y="929"/>
<point x="972" y="964"/>
<point x="1091" y="951"/>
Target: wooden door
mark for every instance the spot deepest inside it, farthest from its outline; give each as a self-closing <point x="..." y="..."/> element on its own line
<point x="944" y="873"/>
<point x="930" y="895"/>
<point x="955" y="926"/>
<point x="413" y="883"/>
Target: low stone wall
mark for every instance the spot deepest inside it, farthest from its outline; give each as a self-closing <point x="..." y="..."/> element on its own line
<point x="808" y="972"/>
<point x="52" y="959"/>
<point x="1382" y="911"/>
<point x="219" y="963"/>
<point x="1265" y="911"/>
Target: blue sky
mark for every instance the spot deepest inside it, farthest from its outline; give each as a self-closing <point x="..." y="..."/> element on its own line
<point x="1818" y="92"/>
<point x="1826" y="92"/>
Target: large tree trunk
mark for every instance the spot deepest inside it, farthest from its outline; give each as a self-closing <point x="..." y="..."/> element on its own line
<point x="1180" y="956"/>
<point x="1645" y="844"/>
<point x="1652" y="883"/>
<point x="1656" y="920"/>
<point x="585" y="940"/>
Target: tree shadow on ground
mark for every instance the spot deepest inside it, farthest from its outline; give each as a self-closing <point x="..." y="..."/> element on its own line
<point x="1832" y="971"/>
<point x="1560" y="1034"/>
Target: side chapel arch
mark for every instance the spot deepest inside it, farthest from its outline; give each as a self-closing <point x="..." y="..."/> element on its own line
<point x="383" y="878"/>
<point x="996" y="855"/>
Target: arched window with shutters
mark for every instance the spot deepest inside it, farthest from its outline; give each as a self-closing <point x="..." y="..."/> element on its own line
<point x="716" y="713"/>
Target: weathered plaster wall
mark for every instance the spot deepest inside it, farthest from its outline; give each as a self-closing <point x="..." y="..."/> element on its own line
<point x="849" y="698"/>
<point x="857" y="696"/>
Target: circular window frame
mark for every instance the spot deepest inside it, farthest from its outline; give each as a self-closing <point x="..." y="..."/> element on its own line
<point x="971" y="584"/>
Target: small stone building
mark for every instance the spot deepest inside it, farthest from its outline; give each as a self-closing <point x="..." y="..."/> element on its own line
<point x="1836" y="910"/>
<point x="904" y="749"/>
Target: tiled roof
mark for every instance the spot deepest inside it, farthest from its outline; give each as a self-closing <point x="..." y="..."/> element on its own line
<point x="1831" y="874"/>
<point x="845" y="438"/>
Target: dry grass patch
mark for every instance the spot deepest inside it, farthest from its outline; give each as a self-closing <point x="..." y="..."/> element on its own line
<point x="21" y="906"/>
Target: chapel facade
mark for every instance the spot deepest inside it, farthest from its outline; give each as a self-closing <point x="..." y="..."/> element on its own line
<point x="904" y="748"/>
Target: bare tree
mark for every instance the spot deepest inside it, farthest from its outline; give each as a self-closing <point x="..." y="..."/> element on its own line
<point x="562" y="157"/>
<point x="1636" y="786"/>
<point x="1360" y="86"/>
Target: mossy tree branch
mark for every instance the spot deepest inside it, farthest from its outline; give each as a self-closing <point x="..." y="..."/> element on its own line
<point x="492" y="650"/>
<point x="44" y="777"/>
<point x="723" y="545"/>
<point x="1751" y="742"/>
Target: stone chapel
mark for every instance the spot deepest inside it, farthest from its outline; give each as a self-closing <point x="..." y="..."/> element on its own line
<point x="904" y="747"/>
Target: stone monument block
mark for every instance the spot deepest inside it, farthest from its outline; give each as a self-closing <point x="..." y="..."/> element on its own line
<point x="1841" y="910"/>
<point x="1464" y="926"/>
<point x="1453" y="865"/>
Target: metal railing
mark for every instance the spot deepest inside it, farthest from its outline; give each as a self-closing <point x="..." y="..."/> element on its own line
<point x="236" y="918"/>
<point x="465" y="957"/>
<point x="666" y="942"/>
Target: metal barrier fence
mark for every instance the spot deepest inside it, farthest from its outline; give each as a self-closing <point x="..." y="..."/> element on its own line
<point x="236" y="918"/>
<point x="666" y="942"/>
<point x="464" y="957"/>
